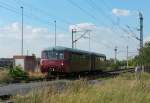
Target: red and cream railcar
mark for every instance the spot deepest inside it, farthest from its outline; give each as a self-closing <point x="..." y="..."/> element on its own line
<point x="62" y="60"/>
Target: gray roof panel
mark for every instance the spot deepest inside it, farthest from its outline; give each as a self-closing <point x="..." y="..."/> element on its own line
<point x="61" y="48"/>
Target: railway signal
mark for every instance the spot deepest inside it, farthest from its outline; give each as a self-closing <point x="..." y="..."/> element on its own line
<point x="115" y="54"/>
<point x="127" y="56"/>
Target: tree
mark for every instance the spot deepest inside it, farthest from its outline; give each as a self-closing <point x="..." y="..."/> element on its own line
<point x="144" y="55"/>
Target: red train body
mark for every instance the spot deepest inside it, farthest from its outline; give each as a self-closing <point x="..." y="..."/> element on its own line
<point x="61" y="60"/>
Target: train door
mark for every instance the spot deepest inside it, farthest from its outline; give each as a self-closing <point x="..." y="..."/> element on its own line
<point x="92" y="62"/>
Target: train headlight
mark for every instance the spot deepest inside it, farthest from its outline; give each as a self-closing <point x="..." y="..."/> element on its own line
<point x="62" y="64"/>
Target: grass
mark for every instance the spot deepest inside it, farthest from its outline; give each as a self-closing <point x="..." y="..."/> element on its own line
<point x="122" y="89"/>
<point x="4" y="76"/>
<point x="36" y="75"/>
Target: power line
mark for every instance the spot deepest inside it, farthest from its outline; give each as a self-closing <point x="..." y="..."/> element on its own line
<point x="113" y="22"/>
<point x="50" y="15"/>
<point x="100" y="10"/>
<point x="8" y="7"/>
<point x="106" y="4"/>
<point x="104" y="14"/>
<point x="83" y="10"/>
<point x="26" y="14"/>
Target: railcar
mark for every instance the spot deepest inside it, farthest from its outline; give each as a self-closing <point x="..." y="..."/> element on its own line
<point x="62" y="60"/>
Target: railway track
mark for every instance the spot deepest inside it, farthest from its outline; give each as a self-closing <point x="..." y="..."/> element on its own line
<point x="119" y="71"/>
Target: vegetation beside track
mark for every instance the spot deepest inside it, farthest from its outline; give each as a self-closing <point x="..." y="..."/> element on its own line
<point x="121" y="89"/>
<point x="4" y="76"/>
<point x="17" y="75"/>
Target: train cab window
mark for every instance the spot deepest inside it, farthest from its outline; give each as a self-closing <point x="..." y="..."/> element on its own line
<point x="53" y="55"/>
<point x="61" y="55"/>
<point x="44" y="55"/>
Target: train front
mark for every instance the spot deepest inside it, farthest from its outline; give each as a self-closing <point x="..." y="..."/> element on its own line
<point x="53" y="62"/>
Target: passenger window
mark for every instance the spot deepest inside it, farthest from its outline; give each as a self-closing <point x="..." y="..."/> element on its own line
<point x="61" y="55"/>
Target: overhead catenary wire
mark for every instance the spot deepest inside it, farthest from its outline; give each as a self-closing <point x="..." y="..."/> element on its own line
<point x="35" y="17"/>
<point x="100" y="10"/>
<point x="84" y="11"/>
<point x="26" y="14"/>
<point x="44" y="12"/>
<point x="93" y="5"/>
<point x="129" y="33"/>
<point x="48" y="14"/>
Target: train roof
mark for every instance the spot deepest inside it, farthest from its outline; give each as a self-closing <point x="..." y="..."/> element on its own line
<point x="60" y="48"/>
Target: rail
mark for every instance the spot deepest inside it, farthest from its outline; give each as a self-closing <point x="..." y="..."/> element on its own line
<point x="121" y="70"/>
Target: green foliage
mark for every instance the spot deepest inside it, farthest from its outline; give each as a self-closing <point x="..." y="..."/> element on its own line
<point x="117" y="65"/>
<point x="18" y="74"/>
<point x="142" y="59"/>
<point x="132" y="63"/>
<point x="114" y="66"/>
<point x="144" y="55"/>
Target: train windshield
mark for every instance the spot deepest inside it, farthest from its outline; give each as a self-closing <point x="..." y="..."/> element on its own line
<point x="53" y="55"/>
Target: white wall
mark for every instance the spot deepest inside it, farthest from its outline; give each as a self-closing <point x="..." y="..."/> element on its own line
<point x="19" y="62"/>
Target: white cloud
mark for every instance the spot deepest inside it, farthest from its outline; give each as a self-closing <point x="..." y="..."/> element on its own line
<point x="121" y="12"/>
<point x="14" y="31"/>
<point x="82" y="27"/>
<point x="103" y="39"/>
<point x="35" y="39"/>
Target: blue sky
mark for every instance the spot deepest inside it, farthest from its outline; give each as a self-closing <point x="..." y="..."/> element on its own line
<point x="103" y="17"/>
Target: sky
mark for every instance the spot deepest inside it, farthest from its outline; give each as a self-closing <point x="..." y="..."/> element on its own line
<point x="108" y="24"/>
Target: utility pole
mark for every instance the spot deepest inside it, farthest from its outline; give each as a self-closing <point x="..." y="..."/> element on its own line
<point x="49" y="36"/>
<point x="115" y="54"/>
<point x="127" y="56"/>
<point x="72" y="38"/>
<point x="89" y="41"/>
<point x="90" y="49"/>
<point x="141" y="34"/>
<point x="141" y="29"/>
<point x="22" y="32"/>
<point x="27" y="52"/>
<point x="73" y="41"/>
<point x="55" y="32"/>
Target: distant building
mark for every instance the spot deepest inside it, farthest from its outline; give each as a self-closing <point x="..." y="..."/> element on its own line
<point x="28" y="63"/>
<point x="6" y="62"/>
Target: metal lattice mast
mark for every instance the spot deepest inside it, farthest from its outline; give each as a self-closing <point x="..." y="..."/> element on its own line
<point x="141" y="30"/>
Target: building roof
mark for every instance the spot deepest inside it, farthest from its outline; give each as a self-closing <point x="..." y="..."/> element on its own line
<point x="61" y="48"/>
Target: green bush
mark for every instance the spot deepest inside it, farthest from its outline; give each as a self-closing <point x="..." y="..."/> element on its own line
<point x="18" y="74"/>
